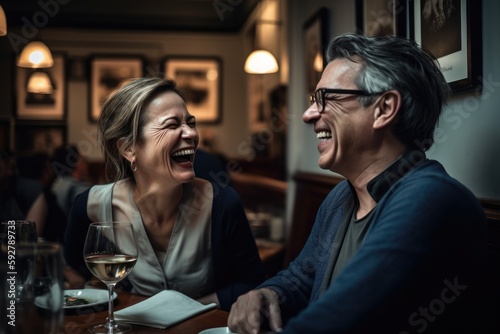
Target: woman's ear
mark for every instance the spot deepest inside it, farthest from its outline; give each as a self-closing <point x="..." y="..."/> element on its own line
<point x="125" y="152"/>
<point x="387" y="109"/>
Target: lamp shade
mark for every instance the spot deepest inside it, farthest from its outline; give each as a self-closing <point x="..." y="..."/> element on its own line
<point x="3" y="23"/>
<point x="35" y="55"/>
<point x="261" y="62"/>
<point x="39" y="83"/>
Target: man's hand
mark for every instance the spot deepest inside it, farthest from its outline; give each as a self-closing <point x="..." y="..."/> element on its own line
<point x="248" y="312"/>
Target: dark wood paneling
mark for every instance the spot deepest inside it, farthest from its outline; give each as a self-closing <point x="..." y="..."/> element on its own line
<point x="260" y="191"/>
<point x="311" y="190"/>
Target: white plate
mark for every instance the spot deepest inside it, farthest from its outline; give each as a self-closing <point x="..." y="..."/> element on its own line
<point x="92" y="296"/>
<point x="218" y="330"/>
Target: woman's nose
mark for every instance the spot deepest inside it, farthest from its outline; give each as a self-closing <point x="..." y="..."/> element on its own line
<point x="189" y="131"/>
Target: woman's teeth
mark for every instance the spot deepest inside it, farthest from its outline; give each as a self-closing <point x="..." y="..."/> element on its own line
<point x="183" y="152"/>
<point x="183" y="155"/>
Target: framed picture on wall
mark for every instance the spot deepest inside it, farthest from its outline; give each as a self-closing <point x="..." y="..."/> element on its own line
<point x="107" y="73"/>
<point x="381" y="17"/>
<point x="315" y="40"/>
<point x="451" y="31"/>
<point x="200" y="79"/>
<point x="41" y="93"/>
<point x="39" y="136"/>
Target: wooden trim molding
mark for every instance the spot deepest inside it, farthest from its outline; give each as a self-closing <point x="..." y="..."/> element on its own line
<point x="267" y="183"/>
<point x="319" y="180"/>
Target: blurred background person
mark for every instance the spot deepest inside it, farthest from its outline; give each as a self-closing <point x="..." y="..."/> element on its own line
<point x="36" y="166"/>
<point x="20" y="198"/>
<point x="71" y="175"/>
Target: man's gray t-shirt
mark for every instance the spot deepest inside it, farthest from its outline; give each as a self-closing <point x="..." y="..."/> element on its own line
<point x="353" y="238"/>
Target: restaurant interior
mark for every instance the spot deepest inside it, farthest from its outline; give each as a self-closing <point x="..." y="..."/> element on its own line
<point x="249" y="116"/>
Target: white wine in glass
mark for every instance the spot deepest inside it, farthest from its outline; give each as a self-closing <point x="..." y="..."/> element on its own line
<point x="110" y="253"/>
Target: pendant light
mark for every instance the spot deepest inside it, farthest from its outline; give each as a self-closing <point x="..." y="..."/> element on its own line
<point x="261" y="61"/>
<point x="35" y="55"/>
<point x="3" y="22"/>
<point x="39" y="83"/>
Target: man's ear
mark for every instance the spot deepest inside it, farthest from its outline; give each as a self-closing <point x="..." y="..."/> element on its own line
<point x="387" y="109"/>
<point x="127" y="153"/>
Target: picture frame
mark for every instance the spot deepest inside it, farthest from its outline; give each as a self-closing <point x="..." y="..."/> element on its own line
<point x="107" y="73"/>
<point x="315" y="31"/>
<point x="381" y="17"/>
<point x="200" y="80"/>
<point x="40" y="136"/>
<point x="454" y="38"/>
<point x="35" y="106"/>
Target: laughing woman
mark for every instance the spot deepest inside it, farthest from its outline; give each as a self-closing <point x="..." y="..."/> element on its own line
<point x="193" y="236"/>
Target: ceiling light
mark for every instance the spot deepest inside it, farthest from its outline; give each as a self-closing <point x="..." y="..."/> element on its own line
<point x="261" y="62"/>
<point x="39" y="83"/>
<point x="35" y="55"/>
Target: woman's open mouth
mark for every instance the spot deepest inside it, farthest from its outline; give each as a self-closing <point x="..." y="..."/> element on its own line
<point x="184" y="157"/>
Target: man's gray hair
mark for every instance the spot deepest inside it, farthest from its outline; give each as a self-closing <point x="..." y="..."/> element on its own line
<point x="392" y="63"/>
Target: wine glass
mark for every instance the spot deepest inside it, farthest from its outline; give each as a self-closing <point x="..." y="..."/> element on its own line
<point x="14" y="233"/>
<point x="42" y="308"/>
<point x="110" y="253"/>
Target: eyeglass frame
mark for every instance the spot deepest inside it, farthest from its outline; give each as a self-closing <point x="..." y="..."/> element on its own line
<point x="323" y="91"/>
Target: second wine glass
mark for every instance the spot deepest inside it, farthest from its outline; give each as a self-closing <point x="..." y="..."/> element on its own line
<point x="110" y="253"/>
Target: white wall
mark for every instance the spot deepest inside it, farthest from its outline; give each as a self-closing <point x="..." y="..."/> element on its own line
<point x="302" y="153"/>
<point x="468" y="146"/>
<point x="301" y="141"/>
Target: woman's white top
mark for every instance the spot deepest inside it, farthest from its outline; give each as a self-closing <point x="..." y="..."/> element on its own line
<point x="186" y="266"/>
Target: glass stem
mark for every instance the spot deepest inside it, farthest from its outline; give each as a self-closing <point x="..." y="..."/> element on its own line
<point x="110" y="322"/>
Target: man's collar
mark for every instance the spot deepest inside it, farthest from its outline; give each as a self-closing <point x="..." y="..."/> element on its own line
<point x="379" y="185"/>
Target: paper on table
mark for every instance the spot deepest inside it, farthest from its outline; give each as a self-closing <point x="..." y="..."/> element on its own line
<point x="162" y="310"/>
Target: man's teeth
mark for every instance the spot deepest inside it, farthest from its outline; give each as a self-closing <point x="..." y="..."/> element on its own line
<point x="183" y="152"/>
<point x="324" y="135"/>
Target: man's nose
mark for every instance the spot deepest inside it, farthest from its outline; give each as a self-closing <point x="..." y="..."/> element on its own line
<point x="311" y="114"/>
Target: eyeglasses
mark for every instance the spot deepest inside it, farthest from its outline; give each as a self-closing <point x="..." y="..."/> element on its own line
<point x="319" y="95"/>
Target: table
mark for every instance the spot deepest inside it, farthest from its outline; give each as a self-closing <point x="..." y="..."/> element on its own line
<point x="77" y="321"/>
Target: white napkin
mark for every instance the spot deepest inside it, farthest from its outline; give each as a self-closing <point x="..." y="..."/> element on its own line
<point x="162" y="310"/>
